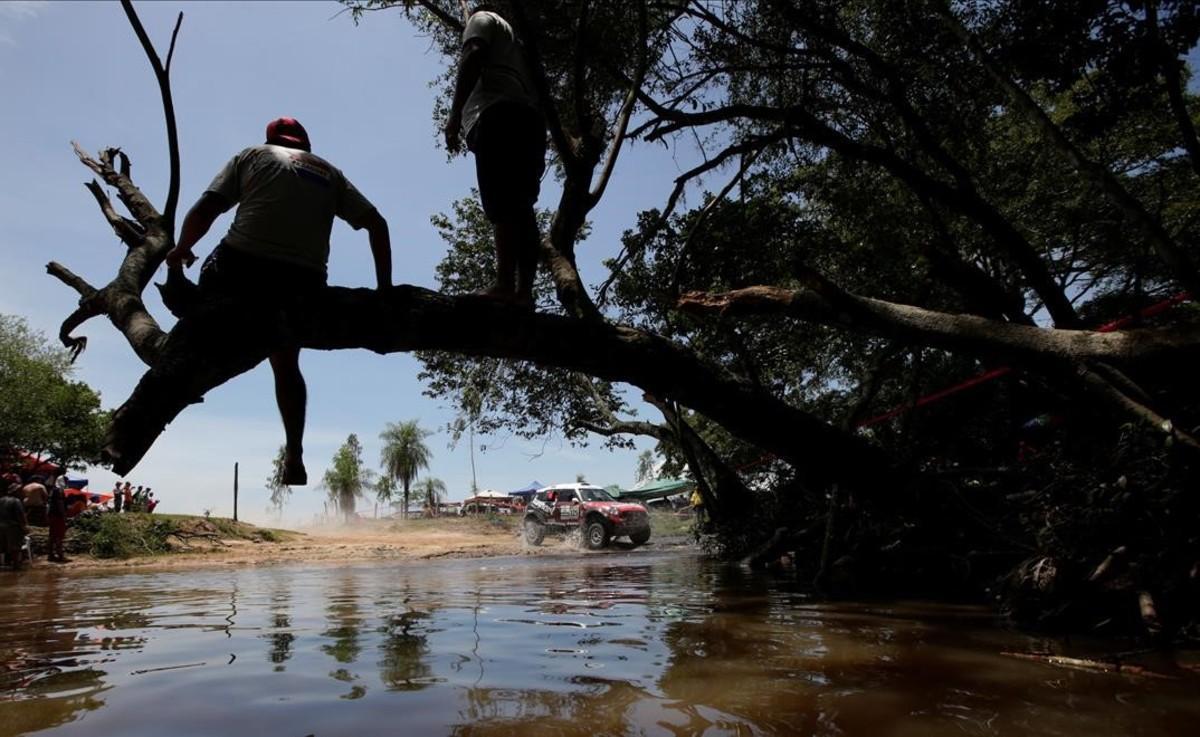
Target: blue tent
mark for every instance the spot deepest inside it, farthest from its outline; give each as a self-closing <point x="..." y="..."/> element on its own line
<point x="528" y="490"/>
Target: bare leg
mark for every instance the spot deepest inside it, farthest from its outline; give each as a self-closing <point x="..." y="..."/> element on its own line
<point x="292" y="397"/>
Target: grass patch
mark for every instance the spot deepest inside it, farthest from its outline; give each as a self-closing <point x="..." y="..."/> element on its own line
<point x="125" y="535"/>
<point x="668" y="524"/>
<point x="129" y="535"/>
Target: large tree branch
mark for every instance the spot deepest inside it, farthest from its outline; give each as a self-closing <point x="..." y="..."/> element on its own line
<point x="611" y="424"/>
<point x="960" y="333"/>
<point x="209" y="348"/>
<point x="625" y="427"/>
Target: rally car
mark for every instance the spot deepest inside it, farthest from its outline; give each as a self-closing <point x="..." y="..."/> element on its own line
<point x="564" y="508"/>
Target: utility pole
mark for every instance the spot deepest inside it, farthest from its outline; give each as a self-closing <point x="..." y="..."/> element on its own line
<point x="235" y="480"/>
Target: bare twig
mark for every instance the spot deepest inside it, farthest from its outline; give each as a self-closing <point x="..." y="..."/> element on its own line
<point x="171" y="49"/>
<point x="164" y="89"/>
<point x="129" y="231"/>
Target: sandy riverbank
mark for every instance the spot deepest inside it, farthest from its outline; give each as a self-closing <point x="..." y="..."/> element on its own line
<point x="219" y="542"/>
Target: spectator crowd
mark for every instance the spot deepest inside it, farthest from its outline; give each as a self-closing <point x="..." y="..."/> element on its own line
<point x="49" y="501"/>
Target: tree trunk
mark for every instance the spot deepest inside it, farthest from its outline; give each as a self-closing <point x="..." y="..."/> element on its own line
<point x="222" y="340"/>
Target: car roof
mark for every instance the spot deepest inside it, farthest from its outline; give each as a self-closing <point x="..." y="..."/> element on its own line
<point x="572" y="487"/>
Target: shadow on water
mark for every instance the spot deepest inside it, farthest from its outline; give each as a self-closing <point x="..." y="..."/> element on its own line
<point x="625" y="644"/>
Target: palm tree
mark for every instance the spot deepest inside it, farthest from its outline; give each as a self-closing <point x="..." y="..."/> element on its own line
<point x="385" y="491"/>
<point x="347" y="478"/>
<point x="404" y="454"/>
<point x="645" y="467"/>
<point x="433" y="490"/>
<point x="279" y="490"/>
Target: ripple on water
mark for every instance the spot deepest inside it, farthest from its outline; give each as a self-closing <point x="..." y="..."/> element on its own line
<point x="636" y="643"/>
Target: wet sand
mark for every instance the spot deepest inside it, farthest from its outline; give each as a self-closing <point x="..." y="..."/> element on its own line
<point x="423" y="539"/>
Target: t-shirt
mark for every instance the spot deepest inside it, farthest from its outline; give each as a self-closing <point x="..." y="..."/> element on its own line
<point x="35" y="495"/>
<point x="287" y="200"/>
<point x="505" y="74"/>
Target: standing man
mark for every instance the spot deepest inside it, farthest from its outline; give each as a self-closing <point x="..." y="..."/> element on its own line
<point x="118" y="497"/>
<point x="56" y="518"/>
<point x="277" y="249"/>
<point x="35" y="501"/>
<point x="128" y="496"/>
<point x="495" y="103"/>
<point x="13" y="526"/>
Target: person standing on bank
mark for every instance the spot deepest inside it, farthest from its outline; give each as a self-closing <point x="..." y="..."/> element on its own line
<point x="496" y="106"/>
<point x="13" y="526"/>
<point x="56" y="518"/>
<point x="277" y="249"/>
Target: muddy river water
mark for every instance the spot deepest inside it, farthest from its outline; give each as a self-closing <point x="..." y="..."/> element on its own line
<point x="624" y="644"/>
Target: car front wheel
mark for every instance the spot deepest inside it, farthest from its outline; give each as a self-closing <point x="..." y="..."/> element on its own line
<point x="535" y="532"/>
<point x="595" y="536"/>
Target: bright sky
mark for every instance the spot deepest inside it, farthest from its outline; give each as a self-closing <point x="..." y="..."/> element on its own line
<point x="74" y="71"/>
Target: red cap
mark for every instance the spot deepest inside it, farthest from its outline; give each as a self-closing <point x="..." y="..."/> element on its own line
<point x="288" y="132"/>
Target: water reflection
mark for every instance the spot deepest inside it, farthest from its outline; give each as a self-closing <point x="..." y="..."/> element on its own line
<point x="404" y="651"/>
<point x="598" y="645"/>
<point x="345" y="622"/>
<point x="279" y="636"/>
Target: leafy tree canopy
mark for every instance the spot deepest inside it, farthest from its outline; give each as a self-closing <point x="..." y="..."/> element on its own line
<point x="42" y="410"/>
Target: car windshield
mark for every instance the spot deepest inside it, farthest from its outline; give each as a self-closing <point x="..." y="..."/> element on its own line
<point x="595" y="495"/>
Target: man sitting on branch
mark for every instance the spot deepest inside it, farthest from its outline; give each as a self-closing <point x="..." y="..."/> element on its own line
<point x="277" y="249"/>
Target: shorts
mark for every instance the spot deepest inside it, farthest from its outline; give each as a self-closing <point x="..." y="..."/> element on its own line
<point x="509" y="143"/>
<point x="232" y="272"/>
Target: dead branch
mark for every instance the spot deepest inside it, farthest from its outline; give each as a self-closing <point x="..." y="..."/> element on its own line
<point x="1096" y="666"/>
<point x="129" y="231"/>
<point x="71" y="279"/>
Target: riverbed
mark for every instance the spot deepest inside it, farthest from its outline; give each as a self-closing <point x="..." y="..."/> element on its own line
<point x="633" y="643"/>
